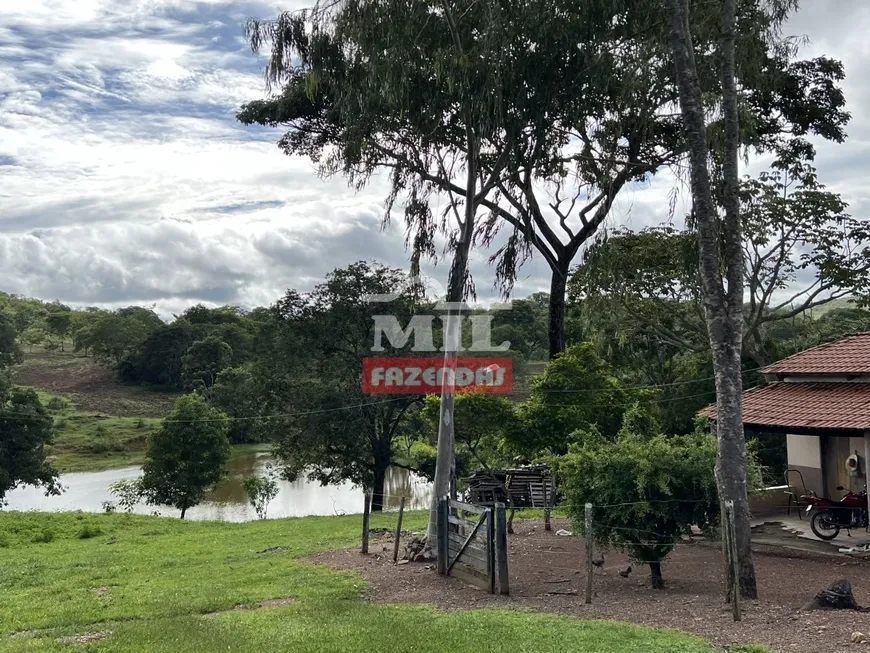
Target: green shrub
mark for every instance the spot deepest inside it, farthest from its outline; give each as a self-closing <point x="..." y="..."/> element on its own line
<point x="44" y="537"/>
<point x="61" y="424"/>
<point x="101" y="431"/>
<point x="140" y="423"/>
<point x="57" y="403"/>
<point x="88" y="531"/>
<point x="98" y="447"/>
<point x="260" y="490"/>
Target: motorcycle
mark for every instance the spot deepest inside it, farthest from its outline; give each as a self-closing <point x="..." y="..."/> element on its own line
<point x="831" y="515"/>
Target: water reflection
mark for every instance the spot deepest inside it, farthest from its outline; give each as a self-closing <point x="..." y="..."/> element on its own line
<point x="87" y="491"/>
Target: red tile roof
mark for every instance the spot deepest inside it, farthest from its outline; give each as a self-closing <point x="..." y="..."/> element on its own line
<point x="851" y="355"/>
<point x="806" y="405"/>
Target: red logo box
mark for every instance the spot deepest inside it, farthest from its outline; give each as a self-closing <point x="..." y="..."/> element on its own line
<point x="411" y="375"/>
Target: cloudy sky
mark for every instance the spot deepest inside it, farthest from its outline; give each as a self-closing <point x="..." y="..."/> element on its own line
<point x="124" y="178"/>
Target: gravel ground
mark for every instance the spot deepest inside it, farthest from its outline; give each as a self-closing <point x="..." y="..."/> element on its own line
<point x="546" y="575"/>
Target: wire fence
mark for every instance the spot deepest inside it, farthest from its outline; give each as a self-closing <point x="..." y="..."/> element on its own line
<point x="568" y="559"/>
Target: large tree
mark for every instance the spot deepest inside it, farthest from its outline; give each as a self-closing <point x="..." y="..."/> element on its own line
<point x="25" y="430"/>
<point x="720" y="254"/>
<point x="330" y="430"/>
<point x="576" y="99"/>
<point x="801" y="251"/>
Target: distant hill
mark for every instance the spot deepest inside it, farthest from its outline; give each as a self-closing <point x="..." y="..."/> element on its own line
<point x="99" y="422"/>
<point x="90" y="386"/>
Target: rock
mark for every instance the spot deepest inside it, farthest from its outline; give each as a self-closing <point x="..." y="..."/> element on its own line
<point x="564" y="533"/>
<point x="403" y="562"/>
<point x="838" y="596"/>
<point x="859" y="637"/>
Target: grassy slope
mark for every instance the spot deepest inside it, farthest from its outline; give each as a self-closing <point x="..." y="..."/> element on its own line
<point x="149" y="583"/>
<point x="100" y="422"/>
<point x="88" y="441"/>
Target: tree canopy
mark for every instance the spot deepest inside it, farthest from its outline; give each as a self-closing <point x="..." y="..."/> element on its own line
<point x="187" y="456"/>
<point x="25" y="430"/>
<point x="332" y="431"/>
<point x="570" y="101"/>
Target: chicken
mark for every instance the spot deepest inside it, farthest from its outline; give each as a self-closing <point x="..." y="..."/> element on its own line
<point x="599" y="561"/>
<point x="625" y="572"/>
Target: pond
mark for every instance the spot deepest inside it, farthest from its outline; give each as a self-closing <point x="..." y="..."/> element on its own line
<point x="88" y="490"/>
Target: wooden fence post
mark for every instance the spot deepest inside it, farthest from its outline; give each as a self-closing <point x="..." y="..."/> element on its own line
<point x="441" y="536"/>
<point x="731" y="549"/>
<point x="547" y="526"/>
<point x="365" y="533"/>
<point x="501" y="548"/>
<point x="588" y="533"/>
<point x="398" y="530"/>
<point x="490" y="549"/>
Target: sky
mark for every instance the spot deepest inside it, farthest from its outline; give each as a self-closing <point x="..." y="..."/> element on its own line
<point x="125" y="178"/>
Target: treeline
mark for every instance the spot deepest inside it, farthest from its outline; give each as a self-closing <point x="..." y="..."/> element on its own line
<point x="285" y="373"/>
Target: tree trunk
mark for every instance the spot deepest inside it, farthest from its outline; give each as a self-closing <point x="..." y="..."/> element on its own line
<point x="183" y="511"/>
<point x="558" y="288"/>
<point x="380" y="478"/>
<point x="723" y="308"/>
<point x="445" y="464"/>
<point x="655" y="576"/>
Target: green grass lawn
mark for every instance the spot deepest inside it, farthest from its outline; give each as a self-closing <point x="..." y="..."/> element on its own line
<point x="156" y="584"/>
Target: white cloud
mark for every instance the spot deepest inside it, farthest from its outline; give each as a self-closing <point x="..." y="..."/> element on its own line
<point x="124" y="177"/>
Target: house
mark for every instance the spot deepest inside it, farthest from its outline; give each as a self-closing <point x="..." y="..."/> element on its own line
<point x="820" y="400"/>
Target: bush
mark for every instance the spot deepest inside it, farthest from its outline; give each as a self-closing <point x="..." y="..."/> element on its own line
<point x="128" y="493"/>
<point x="101" y="431"/>
<point x="57" y="403"/>
<point x="98" y="447"/>
<point x="649" y="489"/>
<point x="61" y="424"/>
<point x="260" y="491"/>
<point x="44" y="537"/>
<point x="88" y="531"/>
<point x="423" y="455"/>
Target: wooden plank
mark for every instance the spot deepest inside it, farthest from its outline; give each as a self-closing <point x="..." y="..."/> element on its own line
<point x="456" y="541"/>
<point x="490" y="551"/>
<point x="468" y="539"/>
<point x="398" y="531"/>
<point x="365" y="534"/>
<point x="442" y="536"/>
<point x="459" y="521"/>
<point x="468" y="507"/>
<point x="471" y="576"/>
<point x="476" y="559"/>
<point x="501" y="548"/>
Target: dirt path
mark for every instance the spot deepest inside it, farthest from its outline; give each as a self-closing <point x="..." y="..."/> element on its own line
<point x="546" y="575"/>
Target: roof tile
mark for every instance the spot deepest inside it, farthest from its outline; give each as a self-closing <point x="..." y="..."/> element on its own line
<point x="806" y="405"/>
<point x="850" y="355"/>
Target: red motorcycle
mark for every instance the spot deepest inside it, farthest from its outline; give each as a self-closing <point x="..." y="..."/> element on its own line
<point x="849" y="512"/>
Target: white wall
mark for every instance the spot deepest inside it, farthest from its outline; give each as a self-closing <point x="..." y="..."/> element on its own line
<point x="804" y="451"/>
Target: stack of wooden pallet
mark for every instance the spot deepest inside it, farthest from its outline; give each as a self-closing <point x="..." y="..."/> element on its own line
<point x="528" y="487"/>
